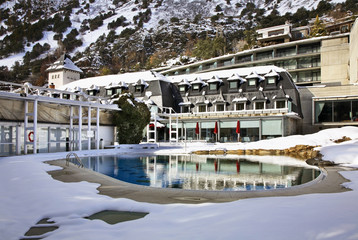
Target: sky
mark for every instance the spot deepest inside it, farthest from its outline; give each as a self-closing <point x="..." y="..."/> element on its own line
<point x="29" y="194"/>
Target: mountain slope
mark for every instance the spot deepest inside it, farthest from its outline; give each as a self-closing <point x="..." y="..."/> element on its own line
<point x="125" y="34"/>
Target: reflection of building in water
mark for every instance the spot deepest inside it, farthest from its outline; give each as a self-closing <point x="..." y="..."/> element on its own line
<point x="201" y="173"/>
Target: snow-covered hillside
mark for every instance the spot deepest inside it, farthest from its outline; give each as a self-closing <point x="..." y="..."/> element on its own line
<point x="151" y="20"/>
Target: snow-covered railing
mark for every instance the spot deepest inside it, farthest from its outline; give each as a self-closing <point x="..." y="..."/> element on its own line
<point x="28" y="89"/>
<point x="239" y="112"/>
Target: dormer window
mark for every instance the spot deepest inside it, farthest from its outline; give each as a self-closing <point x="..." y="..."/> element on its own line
<point x="197" y="84"/>
<point x="233" y="84"/>
<point x="213" y="86"/>
<point x="139" y="88"/>
<point x="214" y="83"/>
<point x="254" y="79"/>
<point x="280" y="104"/>
<point x="252" y="82"/>
<point x="259" y="105"/>
<point x="196" y="87"/>
<point x="93" y="90"/>
<point x="235" y="81"/>
<point x="182" y="88"/>
<point x="271" y="80"/>
<point x="272" y="77"/>
<point x="109" y="92"/>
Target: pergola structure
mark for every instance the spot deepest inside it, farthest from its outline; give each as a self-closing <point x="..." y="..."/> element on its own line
<point x="32" y="96"/>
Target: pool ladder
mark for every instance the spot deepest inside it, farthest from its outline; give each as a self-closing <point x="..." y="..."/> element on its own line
<point x="68" y="157"/>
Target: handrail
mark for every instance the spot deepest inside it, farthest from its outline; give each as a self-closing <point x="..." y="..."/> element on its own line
<point x="76" y="157"/>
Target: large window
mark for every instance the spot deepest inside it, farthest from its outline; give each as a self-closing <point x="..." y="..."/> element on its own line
<point x="336" y="111"/>
<point x="249" y="131"/>
<point x="271" y="128"/>
<point x="263" y="55"/>
<point x="283" y="52"/>
<point x="310" y="76"/>
<point x="309" y="48"/>
<point x="288" y="64"/>
<point x="309" y="62"/>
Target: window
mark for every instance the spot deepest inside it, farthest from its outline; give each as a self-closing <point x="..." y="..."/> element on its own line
<point x="233" y="84"/>
<point x="185" y="109"/>
<point x="118" y="91"/>
<point x="243" y="59"/>
<point x="220" y="107"/>
<point x="196" y="87"/>
<point x="109" y="92"/>
<point x="252" y="82"/>
<point x="182" y="88"/>
<point x="271" y="80"/>
<point x="138" y="88"/>
<point x="283" y="52"/>
<point x="213" y="86"/>
<point x="276" y="32"/>
<point x="264" y="55"/>
<point x="336" y="111"/>
<point x="281" y="104"/>
<point x="311" y="48"/>
<point x="202" y="108"/>
<point x="259" y="105"/>
<point x="240" y="106"/>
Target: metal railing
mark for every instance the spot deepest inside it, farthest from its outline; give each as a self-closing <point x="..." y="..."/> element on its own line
<point x="68" y="157"/>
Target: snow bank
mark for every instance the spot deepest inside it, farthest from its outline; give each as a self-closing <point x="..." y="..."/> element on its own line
<point x="28" y="194"/>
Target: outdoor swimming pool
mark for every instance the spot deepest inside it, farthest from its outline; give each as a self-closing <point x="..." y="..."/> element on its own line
<point x="197" y="172"/>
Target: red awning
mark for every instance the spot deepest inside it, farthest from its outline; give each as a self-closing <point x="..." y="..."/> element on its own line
<point x="197" y="128"/>
<point x="216" y="128"/>
<point x="238" y="127"/>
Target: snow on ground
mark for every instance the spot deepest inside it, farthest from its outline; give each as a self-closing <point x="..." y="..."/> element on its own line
<point x="28" y="194"/>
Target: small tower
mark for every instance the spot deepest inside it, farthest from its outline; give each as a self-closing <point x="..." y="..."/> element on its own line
<point x="63" y="71"/>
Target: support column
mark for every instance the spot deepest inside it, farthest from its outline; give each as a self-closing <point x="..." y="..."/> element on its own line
<point x="89" y="133"/>
<point x="26" y="121"/>
<point x="35" y="126"/>
<point x="18" y="141"/>
<point x="71" y="129"/>
<point x="80" y="128"/>
<point x="97" y="129"/>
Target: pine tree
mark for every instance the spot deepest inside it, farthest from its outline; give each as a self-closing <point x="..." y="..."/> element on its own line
<point x="131" y="121"/>
<point x="318" y="29"/>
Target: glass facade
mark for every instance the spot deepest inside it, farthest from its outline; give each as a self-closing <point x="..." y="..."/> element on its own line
<point x="53" y="138"/>
<point x="336" y="111"/>
<point x="250" y="130"/>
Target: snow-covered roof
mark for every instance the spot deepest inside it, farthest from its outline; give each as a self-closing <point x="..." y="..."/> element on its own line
<point x="117" y="84"/>
<point x="184" y="82"/>
<point x="215" y="79"/>
<point x="272" y="73"/>
<point x="105" y="81"/>
<point x="254" y="74"/>
<point x="198" y="80"/>
<point x="225" y="74"/>
<point x="64" y="62"/>
<point x="236" y="77"/>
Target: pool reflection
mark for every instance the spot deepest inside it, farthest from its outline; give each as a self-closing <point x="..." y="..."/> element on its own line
<point x="201" y="172"/>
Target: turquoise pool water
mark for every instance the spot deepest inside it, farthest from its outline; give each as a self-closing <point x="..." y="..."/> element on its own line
<point x="199" y="172"/>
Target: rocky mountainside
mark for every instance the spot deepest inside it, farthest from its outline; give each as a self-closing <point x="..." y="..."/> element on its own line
<point x="108" y="36"/>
